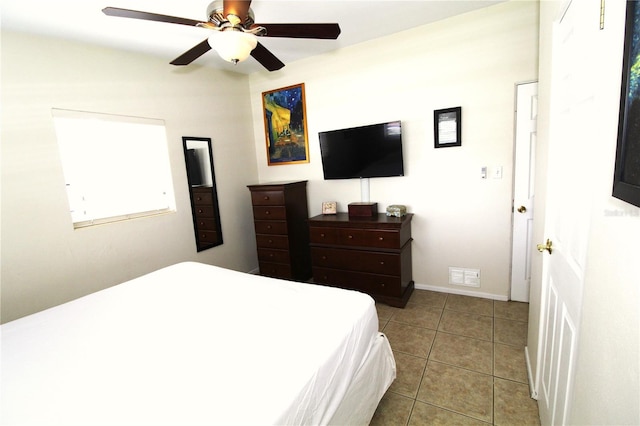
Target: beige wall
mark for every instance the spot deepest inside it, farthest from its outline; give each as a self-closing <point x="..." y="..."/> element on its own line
<point x="44" y="260"/>
<point x="473" y="61"/>
<point x="607" y="381"/>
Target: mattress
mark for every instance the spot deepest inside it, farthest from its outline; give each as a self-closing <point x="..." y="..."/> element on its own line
<point x="196" y="344"/>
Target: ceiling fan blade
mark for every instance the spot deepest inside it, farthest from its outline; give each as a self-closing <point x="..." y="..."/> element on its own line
<point x="240" y="8"/>
<point x="322" y="31"/>
<point x="136" y="14"/>
<point x="266" y="58"/>
<point x="192" y="54"/>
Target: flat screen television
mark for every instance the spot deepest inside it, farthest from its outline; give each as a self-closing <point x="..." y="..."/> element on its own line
<point x="362" y="152"/>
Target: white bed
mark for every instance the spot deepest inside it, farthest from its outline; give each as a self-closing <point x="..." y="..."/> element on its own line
<point x="197" y="344"/>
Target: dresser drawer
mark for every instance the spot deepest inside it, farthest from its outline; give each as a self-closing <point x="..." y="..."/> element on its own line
<point x="207" y="236"/>
<point x="373" y="284"/>
<point x="205" y="224"/>
<point x="356" y="260"/>
<point x="273" y="255"/>
<point x="203" y="197"/>
<point x="267" y="198"/>
<point x="276" y="270"/>
<point x="323" y="235"/>
<point x="272" y="241"/>
<point x="203" y="211"/>
<point x="369" y="238"/>
<point x="270" y="213"/>
<point x="270" y="227"/>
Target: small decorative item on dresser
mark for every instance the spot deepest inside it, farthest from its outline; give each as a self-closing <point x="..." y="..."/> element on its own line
<point x="329" y="207"/>
<point x="362" y="209"/>
<point x="396" y="210"/>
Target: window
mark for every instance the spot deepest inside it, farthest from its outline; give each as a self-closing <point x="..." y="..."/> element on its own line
<point x="115" y="167"/>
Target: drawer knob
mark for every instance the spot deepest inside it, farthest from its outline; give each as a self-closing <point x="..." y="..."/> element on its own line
<point x="382" y="285"/>
<point x="380" y="238"/>
<point x="270" y="241"/>
<point x="324" y="257"/>
<point x="268" y="226"/>
<point x="322" y="235"/>
<point x="350" y="237"/>
<point x="267" y="212"/>
<point x="199" y="210"/>
<point x="382" y="262"/>
<point x="266" y="197"/>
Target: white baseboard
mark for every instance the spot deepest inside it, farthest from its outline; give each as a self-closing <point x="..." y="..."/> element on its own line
<point x="532" y="385"/>
<point x="463" y="292"/>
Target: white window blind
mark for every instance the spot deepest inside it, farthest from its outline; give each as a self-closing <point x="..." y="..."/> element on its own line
<point x="115" y="167"/>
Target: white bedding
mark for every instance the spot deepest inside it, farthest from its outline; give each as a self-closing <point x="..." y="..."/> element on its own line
<point x="194" y="344"/>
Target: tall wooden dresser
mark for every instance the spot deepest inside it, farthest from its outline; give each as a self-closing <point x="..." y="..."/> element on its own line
<point x="369" y="254"/>
<point x="207" y="229"/>
<point x="280" y="216"/>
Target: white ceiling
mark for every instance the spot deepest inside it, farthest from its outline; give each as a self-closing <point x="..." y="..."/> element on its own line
<point x="359" y="20"/>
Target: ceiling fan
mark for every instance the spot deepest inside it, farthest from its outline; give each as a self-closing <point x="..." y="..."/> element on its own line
<point x="235" y="32"/>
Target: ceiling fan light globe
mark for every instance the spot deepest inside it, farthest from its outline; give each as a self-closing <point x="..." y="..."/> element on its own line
<point x="233" y="46"/>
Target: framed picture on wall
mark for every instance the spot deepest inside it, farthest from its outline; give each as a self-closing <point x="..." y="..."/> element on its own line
<point x="285" y="125"/>
<point x="447" y="127"/>
<point x="626" y="179"/>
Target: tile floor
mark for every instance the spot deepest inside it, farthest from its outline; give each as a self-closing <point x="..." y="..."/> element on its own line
<point x="460" y="361"/>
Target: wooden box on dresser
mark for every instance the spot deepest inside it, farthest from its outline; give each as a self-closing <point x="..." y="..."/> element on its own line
<point x="369" y="254"/>
<point x="280" y="216"/>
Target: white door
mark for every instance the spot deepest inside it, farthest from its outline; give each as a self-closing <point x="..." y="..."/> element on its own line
<point x="573" y="121"/>
<point x="524" y="167"/>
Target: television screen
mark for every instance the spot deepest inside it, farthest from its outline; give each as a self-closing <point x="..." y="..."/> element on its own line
<point x="362" y="152"/>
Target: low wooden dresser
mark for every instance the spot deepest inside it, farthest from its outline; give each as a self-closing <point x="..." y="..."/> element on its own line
<point x="369" y="254"/>
<point x="280" y="216"/>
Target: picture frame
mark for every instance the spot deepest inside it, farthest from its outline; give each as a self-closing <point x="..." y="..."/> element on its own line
<point x="626" y="180"/>
<point x="447" y="127"/>
<point x="285" y="125"/>
<point x="329" y="207"/>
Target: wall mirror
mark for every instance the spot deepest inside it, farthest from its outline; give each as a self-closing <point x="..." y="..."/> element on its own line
<point x="202" y="190"/>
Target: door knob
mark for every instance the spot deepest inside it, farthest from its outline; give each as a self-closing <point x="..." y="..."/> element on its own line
<point x="547" y="246"/>
<point x="522" y="209"/>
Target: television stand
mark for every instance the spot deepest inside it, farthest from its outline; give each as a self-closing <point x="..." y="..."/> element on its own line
<point x="368" y="254"/>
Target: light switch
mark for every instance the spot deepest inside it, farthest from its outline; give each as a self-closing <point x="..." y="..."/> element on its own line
<point x="483" y="172"/>
<point x="497" y="172"/>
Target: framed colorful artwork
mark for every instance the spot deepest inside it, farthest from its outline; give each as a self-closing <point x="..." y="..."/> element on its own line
<point x="285" y="125"/>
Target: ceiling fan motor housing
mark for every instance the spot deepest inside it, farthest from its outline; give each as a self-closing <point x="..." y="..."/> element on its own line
<point x="215" y="12"/>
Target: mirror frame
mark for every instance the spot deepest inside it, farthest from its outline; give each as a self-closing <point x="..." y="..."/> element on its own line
<point x="216" y="229"/>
